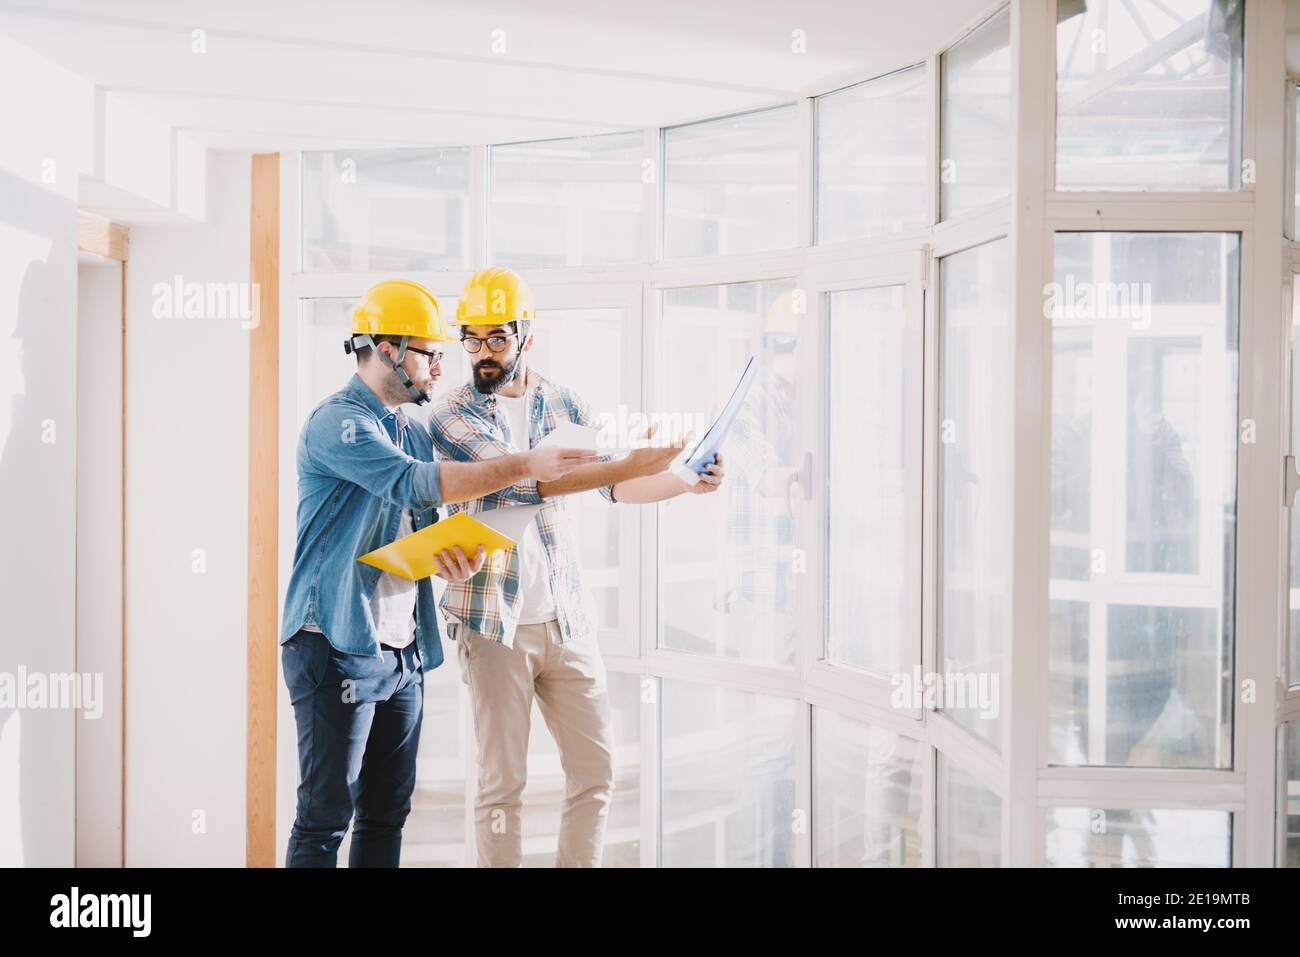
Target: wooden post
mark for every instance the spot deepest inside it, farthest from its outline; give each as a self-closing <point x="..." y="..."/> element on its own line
<point x="263" y="518"/>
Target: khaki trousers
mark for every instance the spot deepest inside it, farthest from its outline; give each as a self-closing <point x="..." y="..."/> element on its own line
<point x="568" y="681"/>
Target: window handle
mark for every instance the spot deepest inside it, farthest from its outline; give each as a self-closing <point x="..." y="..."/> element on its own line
<point x="803" y="478"/>
<point x="1290" y="480"/>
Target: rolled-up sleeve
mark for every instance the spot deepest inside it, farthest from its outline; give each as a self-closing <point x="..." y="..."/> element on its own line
<point x="347" y="442"/>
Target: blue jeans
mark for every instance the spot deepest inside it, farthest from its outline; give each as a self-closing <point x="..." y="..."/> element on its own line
<point x="358" y="721"/>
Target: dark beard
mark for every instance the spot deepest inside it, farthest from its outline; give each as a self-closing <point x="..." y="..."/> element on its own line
<point x="503" y="378"/>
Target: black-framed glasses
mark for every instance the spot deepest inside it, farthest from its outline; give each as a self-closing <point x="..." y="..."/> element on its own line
<point x="496" y="343"/>
<point x="434" y="357"/>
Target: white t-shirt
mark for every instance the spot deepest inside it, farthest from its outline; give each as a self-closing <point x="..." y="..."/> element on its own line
<point x="534" y="580"/>
<point x="393" y="604"/>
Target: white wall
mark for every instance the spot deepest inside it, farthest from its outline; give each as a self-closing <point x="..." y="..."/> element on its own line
<point x="99" y="558"/>
<point x="187" y="478"/>
<point x="38" y="446"/>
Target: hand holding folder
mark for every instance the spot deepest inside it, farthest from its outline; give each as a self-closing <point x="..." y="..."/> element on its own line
<point x="414" y="556"/>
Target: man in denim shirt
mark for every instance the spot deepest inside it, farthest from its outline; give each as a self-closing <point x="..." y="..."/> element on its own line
<point x="355" y="640"/>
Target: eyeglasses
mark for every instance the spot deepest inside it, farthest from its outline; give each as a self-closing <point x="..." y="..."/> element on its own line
<point x="497" y="343"/>
<point x="434" y="357"/>
<point x="780" y="342"/>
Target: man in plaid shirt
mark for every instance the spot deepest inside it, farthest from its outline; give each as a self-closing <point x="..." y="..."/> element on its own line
<point x="524" y="625"/>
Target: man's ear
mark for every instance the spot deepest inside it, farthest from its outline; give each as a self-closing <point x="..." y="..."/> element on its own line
<point x="528" y="343"/>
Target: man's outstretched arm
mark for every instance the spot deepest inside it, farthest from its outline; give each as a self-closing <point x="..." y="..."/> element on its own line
<point x="665" y="485"/>
<point x="638" y="464"/>
<point x="466" y="481"/>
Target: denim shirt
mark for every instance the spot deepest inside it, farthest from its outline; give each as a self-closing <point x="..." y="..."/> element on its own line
<point x="353" y="483"/>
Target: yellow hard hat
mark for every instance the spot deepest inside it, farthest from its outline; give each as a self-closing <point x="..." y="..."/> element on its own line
<point x="494" y="296"/>
<point x="781" y="314"/>
<point x="400" y="307"/>
<point x="781" y="326"/>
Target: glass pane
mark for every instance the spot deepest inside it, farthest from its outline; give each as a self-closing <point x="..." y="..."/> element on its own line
<point x="385" y="210"/>
<point x="976" y="135"/>
<point x="1293" y="592"/>
<point x="567" y="342"/>
<point x="731" y="185"/>
<point x="866" y="794"/>
<point x="975" y="460"/>
<point x="544" y="794"/>
<point x="871" y="418"/>
<point x="968" y="825"/>
<point x="1148" y="94"/>
<point x="1143" y="464"/>
<point x="434" y="835"/>
<point x="873" y="167"/>
<point x="1296" y="230"/>
<point x="728" y="777"/>
<point x="725" y="560"/>
<point x="1110" y="837"/>
<point x="1291" y="808"/>
<point x="567" y="202"/>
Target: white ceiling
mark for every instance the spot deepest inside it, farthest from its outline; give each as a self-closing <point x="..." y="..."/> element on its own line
<point x="289" y="74"/>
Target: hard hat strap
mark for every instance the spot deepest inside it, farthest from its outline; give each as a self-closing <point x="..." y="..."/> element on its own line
<point x="365" y="340"/>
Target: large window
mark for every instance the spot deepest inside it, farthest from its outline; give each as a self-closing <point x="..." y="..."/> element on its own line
<point x="867" y="790"/>
<point x="816" y="659"/>
<point x="873" y="546"/>
<point x="1293" y="590"/>
<point x="727" y="778"/>
<point x="1138" y="837"/>
<point x="1295" y="165"/>
<point x="976" y="373"/>
<point x="1144" y="438"/>
<point x="968" y="825"/>
<point x="732" y="185"/>
<point x="1289" y="812"/>
<point x="726" y="575"/>
<point x="566" y="202"/>
<point x="567" y="342"/>
<point x="975" y="144"/>
<point x="1148" y="95"/>
<point x="385" y="210"/>
<point x="435" y="831"/>
<point x="873" y="167"/>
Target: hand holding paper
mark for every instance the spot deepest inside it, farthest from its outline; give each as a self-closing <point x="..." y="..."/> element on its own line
<point x="693" y="461"/>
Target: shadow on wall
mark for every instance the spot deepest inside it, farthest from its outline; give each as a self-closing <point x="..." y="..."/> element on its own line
<point x="37" y="519"/>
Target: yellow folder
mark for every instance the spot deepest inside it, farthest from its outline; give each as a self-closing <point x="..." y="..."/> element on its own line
<point x="414" y="556"/>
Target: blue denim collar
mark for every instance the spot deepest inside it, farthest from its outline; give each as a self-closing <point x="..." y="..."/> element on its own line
<point x="358" y="389"/>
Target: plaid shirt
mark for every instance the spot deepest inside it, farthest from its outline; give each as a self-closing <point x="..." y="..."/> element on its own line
<point x="467" y="426"/>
